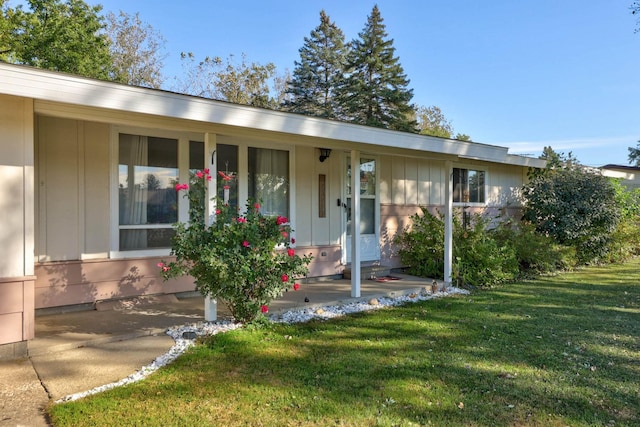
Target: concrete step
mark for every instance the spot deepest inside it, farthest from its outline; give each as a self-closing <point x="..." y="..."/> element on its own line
<point x="368" y="271"/>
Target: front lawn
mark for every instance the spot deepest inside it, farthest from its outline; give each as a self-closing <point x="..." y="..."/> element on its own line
<point x="556" y="351"/>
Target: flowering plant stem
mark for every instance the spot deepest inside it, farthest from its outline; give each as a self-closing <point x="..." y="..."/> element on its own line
<point x="244" y="261"/>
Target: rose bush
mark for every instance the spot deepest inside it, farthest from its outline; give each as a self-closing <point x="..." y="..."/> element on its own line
<point x="244" y="261"/>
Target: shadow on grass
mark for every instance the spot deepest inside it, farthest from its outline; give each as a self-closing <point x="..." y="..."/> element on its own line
<point x="561" y="350"/>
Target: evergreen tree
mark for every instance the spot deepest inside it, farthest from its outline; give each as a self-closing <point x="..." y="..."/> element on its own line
<point x="375" y="90"/>
<point x="634" y="155"/>
<point x="316" y="76"/>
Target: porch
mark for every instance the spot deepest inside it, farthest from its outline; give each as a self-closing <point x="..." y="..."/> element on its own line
<point x="110" y="321"/>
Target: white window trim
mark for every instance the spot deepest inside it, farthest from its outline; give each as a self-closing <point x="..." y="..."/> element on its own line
<point x="183" y="170"/>
<point x="183" y="139"/>
<point x="486" y="184"/>
<point x="243" y="171"/>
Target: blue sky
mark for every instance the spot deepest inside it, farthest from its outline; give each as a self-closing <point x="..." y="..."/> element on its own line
<point x="521" y="74"/>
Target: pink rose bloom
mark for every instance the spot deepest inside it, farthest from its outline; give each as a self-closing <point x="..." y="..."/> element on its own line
<point x="285" y="234"/>
<point x="206" y="171"/>
<point x="199" y="174"/>
<point x="160" y="264"/>
<point x="224" y="176"/>
<point x="281" y="220"/>
<point x="264" y="309"/>
<point x="257" y="206"/>
<point x="218" y="211"/>
<point x="290" y="252"/>
<point x="296" y="286"/>
<point x="245" y="244"/>
<point x="242" y="220"/>
<point x="284" y="278"/>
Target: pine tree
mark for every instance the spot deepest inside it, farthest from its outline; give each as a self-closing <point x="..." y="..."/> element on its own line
<point x="316" y="76"/>
<point x="375" y="90"/>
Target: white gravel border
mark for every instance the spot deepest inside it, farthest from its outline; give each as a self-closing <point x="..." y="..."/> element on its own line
<point x="305" y="314"/>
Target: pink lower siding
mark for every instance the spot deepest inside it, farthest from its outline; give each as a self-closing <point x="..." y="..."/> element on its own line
<point x="78" y="282"/>
<point x="17" y="312"/>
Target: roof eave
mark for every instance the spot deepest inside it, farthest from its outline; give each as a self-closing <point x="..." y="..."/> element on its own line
<point x="64" y="88"/>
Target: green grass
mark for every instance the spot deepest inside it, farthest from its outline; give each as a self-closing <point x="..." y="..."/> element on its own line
<point x="562" y="350"/>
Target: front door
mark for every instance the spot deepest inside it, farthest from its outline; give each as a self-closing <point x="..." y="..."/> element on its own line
<point x="369" y="208"/>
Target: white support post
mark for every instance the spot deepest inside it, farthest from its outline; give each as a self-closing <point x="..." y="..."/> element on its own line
<point x="210" y="304"/>
<point x="448" y="223"/>
<point x="355" y="224"/>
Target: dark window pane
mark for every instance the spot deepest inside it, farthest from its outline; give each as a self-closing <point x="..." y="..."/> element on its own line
<point x="153" y="238"/>
<point x="227" y="178"/>
<point x="196" y="155"/>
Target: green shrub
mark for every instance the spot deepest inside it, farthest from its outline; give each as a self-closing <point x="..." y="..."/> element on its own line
<point x="245" y="261"/>
<point x="421" y="245"/>
<point x="574" y="205"/>
<point x="536" y="253"/>
<point x="479" y="258"/>
<point x="624" y="242"/>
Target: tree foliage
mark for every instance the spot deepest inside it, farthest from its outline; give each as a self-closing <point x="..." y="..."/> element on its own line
<point x="375" y="89"/>
<point x="136" y="50"/>
<point x="573" y="204"/>
<point x="58" y="35"/>
<point x="431" y="121"/>
<point x="634" y="155"/>
<point x="319" y="71"/>
<point x="635" y="10"/>
<point x="240" y="83"/>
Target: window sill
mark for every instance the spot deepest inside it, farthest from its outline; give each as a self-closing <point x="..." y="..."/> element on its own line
<point x="142" y="253"/>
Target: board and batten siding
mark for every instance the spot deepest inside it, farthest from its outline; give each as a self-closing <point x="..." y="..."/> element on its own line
<point x="17" y="205"/>
<point x="407" y="184"/>
<point x="73" y="189"/>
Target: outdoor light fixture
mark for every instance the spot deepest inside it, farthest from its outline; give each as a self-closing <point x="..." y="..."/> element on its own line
<point x="324" y="154"/>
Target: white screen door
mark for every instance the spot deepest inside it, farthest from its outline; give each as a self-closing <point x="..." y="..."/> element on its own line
<point x="369" y="218"/>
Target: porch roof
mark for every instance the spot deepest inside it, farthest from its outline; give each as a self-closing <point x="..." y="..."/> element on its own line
<point x="44" y="85"/>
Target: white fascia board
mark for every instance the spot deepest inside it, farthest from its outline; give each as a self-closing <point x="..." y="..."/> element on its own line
<point x="65" y="88"/>
<point x="532" y="162"/>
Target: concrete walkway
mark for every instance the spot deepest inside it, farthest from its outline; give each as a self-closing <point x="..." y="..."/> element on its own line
<point x="80" y="350"/>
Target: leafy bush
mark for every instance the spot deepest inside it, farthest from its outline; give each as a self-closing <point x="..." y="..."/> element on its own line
<point x="421" y="246"/>
<point x="625" y="239"/>
<point x="536" y="253"/>
<point x="479" y="258"/>
<point x="574" y="205"/>
<point x="244" y="261"/>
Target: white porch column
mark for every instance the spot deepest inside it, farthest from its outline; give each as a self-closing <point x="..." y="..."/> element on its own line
<point x="355" y="223"/>
<point x="448" y="223"/>
<point x="210" y="304"/>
